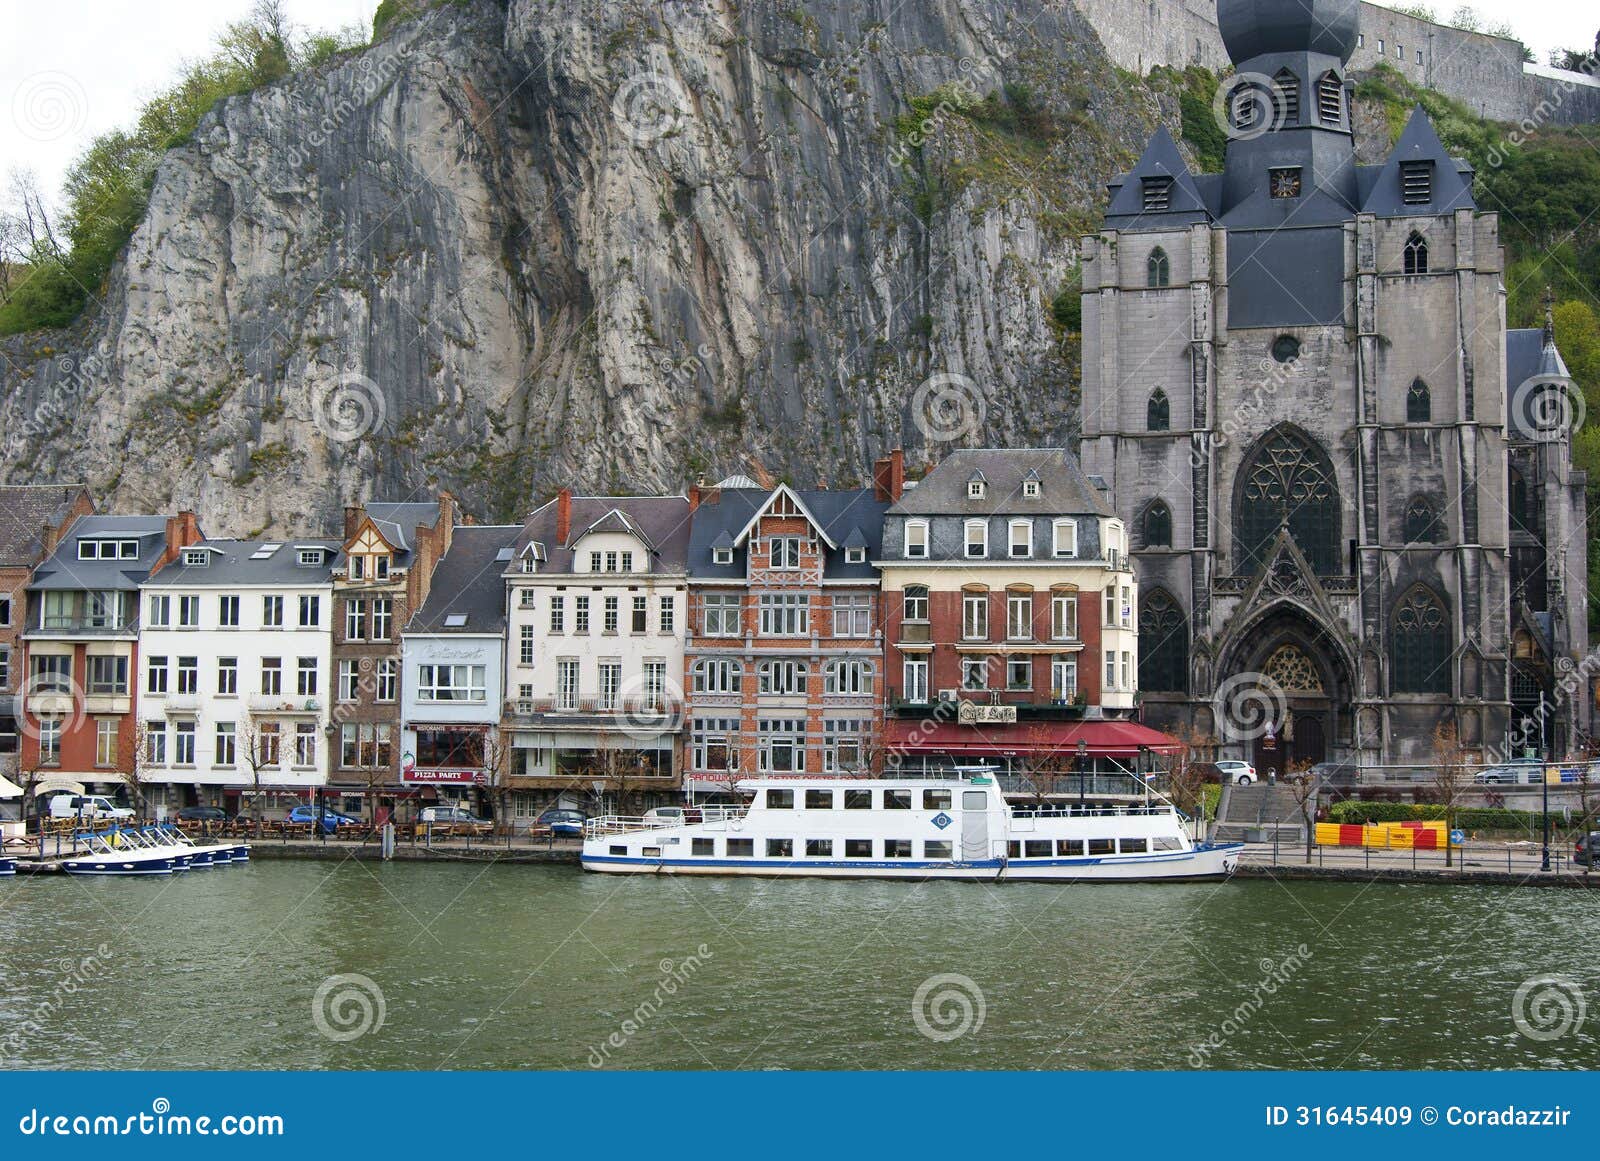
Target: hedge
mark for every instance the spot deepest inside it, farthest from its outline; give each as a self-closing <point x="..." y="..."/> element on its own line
<point x="1467" y="818"/>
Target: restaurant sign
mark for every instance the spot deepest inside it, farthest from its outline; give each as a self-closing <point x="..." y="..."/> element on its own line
<point x="973" y="714"/>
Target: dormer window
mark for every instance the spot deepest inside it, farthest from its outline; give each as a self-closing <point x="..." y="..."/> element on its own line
<point x="1157" y="195"/>
<point x="722" y="555"/>
<point x="1030" y="489"/>
<point x="196" y="558"/>
<point x="357" y="567"/>
<point x="855" y="556"/>
<point x="1416" y="182"/>
<point x="310" y="557"/>
<point x="976" y="489"/>
<point x="783" y="552"/>
<point x="380" y="566"/>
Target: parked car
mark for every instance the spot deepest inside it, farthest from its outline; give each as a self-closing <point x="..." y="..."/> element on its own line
<point x="202" y="814"/>
<point x="87" y="807"/>
<point x="331" y="820"/>
<point x="1236" y="772"/>
<point x="450" y="813"/>
<point x="671" y="816"/>
<point x="559" y="821"/>
<point x="1511" y="774"/>
<point x="1587" y="849"/>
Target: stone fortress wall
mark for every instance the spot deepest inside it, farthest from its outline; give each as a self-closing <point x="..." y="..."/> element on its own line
<point x="1486" y="73"/>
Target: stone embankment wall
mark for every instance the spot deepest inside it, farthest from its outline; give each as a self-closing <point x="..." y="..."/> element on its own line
<point x="1484" y="72"/>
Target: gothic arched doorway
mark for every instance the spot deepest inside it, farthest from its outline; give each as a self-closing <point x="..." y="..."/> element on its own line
<point x="1284" y="701"/>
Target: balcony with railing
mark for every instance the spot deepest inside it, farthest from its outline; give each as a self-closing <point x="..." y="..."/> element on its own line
<point x="1030" y="707"/>
<point x="662" y="712"/>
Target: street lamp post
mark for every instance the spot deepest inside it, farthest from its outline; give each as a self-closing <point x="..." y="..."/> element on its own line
<point x="1083" y="762"/>
<point x="1544" y="791"/>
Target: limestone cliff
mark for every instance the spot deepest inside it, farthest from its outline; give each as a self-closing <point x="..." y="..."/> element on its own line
<point x="617" y="243"/>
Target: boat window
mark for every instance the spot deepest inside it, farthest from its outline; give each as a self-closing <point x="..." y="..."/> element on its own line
<point x="974" y="800"/>
<point x="704" y="846"/>
<point x="858" y="800"/>
<point x="1135" y="846"/>
<point x="897" y="800"/>
<point x="652" y="852"/>
<point x="780" y="848"/>
<point x="936" y="849"/>
<point x="896" y="848"/>
<point x="819" y="848"/>
<point x="819" y="800"/>
<point x="1166" y="843"/>
<point x="1069" y="847"/>
<point x="1014" y="849"/>
<point x="741" y="848"/>
<point x="1102" y="846"/>
<point x="858" y="848"/>
<point x="1038" y="848"/>
<point x="619" y="848"/>
<point x="780" y="799"/>
<point x="935" y="800"/>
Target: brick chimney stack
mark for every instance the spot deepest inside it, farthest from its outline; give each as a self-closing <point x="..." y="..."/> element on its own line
<point x="563" y="516"/>
<point x="182" y="531"/>
<point x="889" y="477"/>
<point x="695" y="494"/>
<point x="352" y="519"/>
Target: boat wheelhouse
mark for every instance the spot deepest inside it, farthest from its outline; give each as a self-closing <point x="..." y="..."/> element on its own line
<point x="898" y="828"/>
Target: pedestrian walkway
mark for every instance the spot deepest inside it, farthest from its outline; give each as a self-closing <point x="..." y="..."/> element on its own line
<point x="1489" y="862"/>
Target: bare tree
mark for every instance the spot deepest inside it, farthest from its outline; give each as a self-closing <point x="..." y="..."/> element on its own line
<point x="260" y="744"/>
<point x="499" y="763"/>
<point x="1188" y="772"/>
<point x="1304" y="785"/>
<point x="1451" y="762"/>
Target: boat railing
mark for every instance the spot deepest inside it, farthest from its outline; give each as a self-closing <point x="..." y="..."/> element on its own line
<point x="1155" y="808"/>
<point x="713" y="816"/>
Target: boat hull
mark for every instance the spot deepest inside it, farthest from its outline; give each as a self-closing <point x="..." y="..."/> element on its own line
<point x="8" y="867"/>
<point x="1206" y="862"/>
<point x="111" y="865"/>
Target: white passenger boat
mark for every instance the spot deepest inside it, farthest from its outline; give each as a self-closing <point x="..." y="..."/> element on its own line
<point x="908" y="828"/>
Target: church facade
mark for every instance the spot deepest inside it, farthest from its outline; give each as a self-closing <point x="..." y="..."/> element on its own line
<point x="1348" y="486"/>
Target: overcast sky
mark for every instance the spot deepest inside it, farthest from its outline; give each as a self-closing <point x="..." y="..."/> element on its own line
<point x="72" y="69"/>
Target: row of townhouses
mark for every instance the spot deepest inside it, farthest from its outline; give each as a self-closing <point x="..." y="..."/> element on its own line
<point x="630" y="647"/>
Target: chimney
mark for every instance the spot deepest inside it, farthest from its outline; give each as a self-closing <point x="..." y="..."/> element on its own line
<point x="694" y="496"/>
<point x="352" y="519"/>
<point x="563" y="516"/>
<point x="889" y="477"/>
<point x="182" y="531"/>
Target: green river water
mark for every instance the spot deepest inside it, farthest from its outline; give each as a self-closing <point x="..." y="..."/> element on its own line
<point x="545" y="967"/>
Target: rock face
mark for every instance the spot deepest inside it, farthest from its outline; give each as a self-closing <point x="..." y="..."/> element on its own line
<point x="613" y="243"/>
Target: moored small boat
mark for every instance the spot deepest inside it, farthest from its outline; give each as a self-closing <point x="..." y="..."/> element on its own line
<point x="908" y="828"/>
<point x="123" y="852"/>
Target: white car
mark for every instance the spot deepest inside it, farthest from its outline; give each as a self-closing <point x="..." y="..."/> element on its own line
<point x="87" y="807"/>
<point x="1236" y="772"/>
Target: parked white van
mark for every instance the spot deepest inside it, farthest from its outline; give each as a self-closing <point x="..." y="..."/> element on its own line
<point x="86" y="806"/>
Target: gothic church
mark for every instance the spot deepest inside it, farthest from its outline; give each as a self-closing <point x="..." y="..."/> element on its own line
<point x="1349" y="486"/>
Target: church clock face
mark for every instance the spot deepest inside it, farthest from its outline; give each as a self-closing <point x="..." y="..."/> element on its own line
<point x="1284" y="183"/>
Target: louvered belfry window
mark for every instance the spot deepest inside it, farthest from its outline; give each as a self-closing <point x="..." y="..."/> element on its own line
<point x="1288" y="97"/>
<point x="1330" y="99"/>
<point x="1157" y="194"/>
<point x="1288" y="482"/>
<point x="1416" y="182"/>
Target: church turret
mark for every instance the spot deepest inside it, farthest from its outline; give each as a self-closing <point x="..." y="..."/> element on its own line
<point x="1291" y="157"/>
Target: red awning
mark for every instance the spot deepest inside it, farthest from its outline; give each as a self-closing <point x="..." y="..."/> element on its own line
<point x="1105" y="739"/>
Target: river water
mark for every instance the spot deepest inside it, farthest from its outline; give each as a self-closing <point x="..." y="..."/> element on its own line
<point x="290" y="964"/>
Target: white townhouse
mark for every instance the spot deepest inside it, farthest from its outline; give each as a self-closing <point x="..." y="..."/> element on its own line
<point x="235" y="673"/>
<point x="452" y="679"/>
<point x="595" y="647"/>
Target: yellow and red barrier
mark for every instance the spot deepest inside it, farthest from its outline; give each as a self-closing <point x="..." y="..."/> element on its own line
<point x="1430" y="835"/>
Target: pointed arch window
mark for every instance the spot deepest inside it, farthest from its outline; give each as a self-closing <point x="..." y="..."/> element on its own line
<point x="1422" y="522"/>
<point x="1419" y="403"/>
<point x="1523" y="516"/>
<point x="1419" y="643"/>
<point x="1288" y="481"/>
<point x="1288" y="86"/>
<point x="1330" y="99"/>
<point x="1416" y="256"/>
<point x="1158" y="413"/>
<point x="1163" y="643"/>
<point x="1157" y="525"/>
<point x="1158" y="270"/>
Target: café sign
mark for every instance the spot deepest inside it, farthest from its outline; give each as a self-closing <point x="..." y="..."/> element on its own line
<point x="973" y="714"/>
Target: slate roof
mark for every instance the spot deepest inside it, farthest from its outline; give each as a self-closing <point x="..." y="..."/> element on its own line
<point x="232" y="565"/>
<point x="662" y="522"/>
<point x="1531" y="355"/>
<point x="844" y="516"/>
<point x="468" y="582"/>
<point x="64" y="571"/>
<point x="24" y="511"/>
<point x="399" y="522"/>
<point x="1063" y="488"/>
